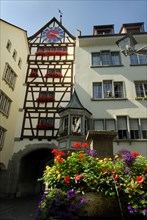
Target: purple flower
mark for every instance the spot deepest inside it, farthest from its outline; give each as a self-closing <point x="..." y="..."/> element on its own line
<point x="143" y="197"/>
<point x="71" y="196"/>
<point x="131" y="210"/>
<point x="145" y="210"/>
<point x="127" y="171"/>
<point x="128" y="159"/>
<point x="91" y="152"/>
<point x="82" y="201"/>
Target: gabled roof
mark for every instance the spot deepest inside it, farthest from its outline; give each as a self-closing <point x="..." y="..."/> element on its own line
<point x="46" y="25"/>
<point x="74" y="104"/>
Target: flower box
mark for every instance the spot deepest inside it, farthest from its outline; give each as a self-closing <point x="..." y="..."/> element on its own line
<point x="44" y="126"/>
<point x="53" y="75"/>
<point x="33" y="74"/>
<point x="51" y="53"/>
<point x="141" y="98"/>
<point x="45" y="99"/>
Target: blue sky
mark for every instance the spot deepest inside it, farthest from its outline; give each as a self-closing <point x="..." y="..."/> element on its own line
<point x="31" y="15"/>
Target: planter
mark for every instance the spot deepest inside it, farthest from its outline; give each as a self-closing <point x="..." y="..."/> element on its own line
<point x="99" y="205"/>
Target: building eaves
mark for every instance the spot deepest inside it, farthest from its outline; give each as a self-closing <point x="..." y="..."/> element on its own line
<point x="13" y="25"/>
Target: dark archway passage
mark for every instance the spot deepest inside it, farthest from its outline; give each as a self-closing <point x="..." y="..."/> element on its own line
<point x="31" y="169"/>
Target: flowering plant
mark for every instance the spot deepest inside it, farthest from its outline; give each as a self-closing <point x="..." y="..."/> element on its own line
<point x="54" y="75"/>
<point x="43" y="99"/>
<point x="125" y="175"/>
<point x="60" y="204"/>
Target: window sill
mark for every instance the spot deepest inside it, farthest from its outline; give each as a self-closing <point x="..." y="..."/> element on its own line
<point x="129" y="140"/>
<point x="109" y="99"/>
<point x="138" y="64"/>
<point x="100" y="66"/>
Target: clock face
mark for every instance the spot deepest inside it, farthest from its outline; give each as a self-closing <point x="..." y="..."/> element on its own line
<point x="53" y="34"/>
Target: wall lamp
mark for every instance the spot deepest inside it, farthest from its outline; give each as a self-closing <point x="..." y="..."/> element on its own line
<point x="127" y="45"/>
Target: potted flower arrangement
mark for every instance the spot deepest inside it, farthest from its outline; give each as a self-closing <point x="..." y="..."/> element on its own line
<point x="122" y="178"/>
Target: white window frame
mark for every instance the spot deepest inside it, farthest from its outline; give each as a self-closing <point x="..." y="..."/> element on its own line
<point x="5" y="103"/>
<point x="2" y="136"/>
<point x="143" y="91"/>
<point x="9" y="45"/>
<point x="9" y="76"/>
<point x="14" y="54"/>
<point x="106" y="58"/>
<point x="139" y="59"/>
<point x="99" y="89"/>
<point x="20" y="63"/>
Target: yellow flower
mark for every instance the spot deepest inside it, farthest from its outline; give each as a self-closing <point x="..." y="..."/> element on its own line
<point x="47" y="167"/>
<point x="59" y="176"/>
<point x="72" y="153"/>
<point x="57" y="172"/>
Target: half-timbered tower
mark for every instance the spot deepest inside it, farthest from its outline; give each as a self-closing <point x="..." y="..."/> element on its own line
<point x="49" y="80"/>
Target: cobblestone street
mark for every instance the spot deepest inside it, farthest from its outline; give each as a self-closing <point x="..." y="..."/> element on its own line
<point x="18" y="208"/>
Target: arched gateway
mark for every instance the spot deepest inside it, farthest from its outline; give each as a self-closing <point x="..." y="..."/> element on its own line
<point x="26" y="167"/>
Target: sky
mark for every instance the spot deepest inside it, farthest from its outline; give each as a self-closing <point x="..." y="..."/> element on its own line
<point x="32" y="15"/>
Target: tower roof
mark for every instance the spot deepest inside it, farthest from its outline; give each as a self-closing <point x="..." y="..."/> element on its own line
<point x="74" y="103"/>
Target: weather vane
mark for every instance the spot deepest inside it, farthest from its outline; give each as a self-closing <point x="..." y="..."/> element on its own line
<point x="60" y="12"/>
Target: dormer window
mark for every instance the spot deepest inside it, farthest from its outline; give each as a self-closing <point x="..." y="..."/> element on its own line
<point x="103" y="30"/>
<point x="132" y="28"/>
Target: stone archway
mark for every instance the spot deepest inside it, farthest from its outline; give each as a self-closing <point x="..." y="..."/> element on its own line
<point x="26" y="167"/>
<point x="31" y="169"/>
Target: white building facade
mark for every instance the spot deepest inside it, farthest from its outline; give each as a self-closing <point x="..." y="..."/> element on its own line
<point x="114" y="87"/>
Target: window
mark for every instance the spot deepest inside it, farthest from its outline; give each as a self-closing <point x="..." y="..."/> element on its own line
<point x="63" y="130"/>
<point x="2" y="136"/>
<point x="45" y="124"/>
<point x="106" y="58"/>
<point x="141" y="88"/>
<point x="46" y="94"/>
<point x="99" y="125"/>
<point x="14" y="54"/>
<point x="104" y="124"/>
<point x="134" y="129"/>
<point x="122" y="127"/>
<point x="9" y="76"/>
<point x="8" y="46"/>
<point x="4" y="103"/>
<point x="110" y="125"/>
<point x="108" y="89"/>
<point x="137" y="59"/>
<point x="20" y="63"/>
<point x="76" y="124"/>
<point x="144" y="128"/>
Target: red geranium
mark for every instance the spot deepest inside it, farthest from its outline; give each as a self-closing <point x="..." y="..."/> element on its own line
<point x="105" y="171"/>
<point x="135" y="154"/>
<point x="139" y="179"/>
<point x="54" y="151"/>
<point x="116" y="177"/>
<point x="77" y="144"/>
<point x="67" y="179"/>
<point x="78" y="177"/>
<point x="59" y="160"/>
<point x="81" y="155"/>
<point x="84" y="145"/>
